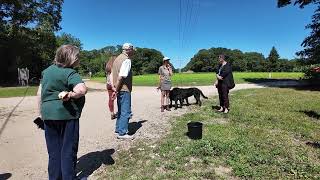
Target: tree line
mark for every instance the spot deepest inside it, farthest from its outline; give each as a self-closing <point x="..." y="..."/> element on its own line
<point x="145" y="60"/>
<point x="206" y="61"/>
<point x="27" y="36"/>
<point x="27" y="39"/>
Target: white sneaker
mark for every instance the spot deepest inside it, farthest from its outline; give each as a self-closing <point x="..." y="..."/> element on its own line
<point x="116" y="133"/>
<point x="126" y="136"/>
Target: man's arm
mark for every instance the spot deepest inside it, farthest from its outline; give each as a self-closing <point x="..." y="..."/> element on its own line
<point x="124" y="72"/>
<point x="119" y="84"/>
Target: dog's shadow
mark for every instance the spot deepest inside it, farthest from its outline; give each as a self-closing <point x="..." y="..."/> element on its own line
<point x="90" y="162"/>
<point x="133" y="127"/>
<point x="215" y="107"/>
<point x="313" y="144"/>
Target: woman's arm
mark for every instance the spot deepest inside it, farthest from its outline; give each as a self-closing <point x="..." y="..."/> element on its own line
<point x="78" y="91"/>
<point x="170" y="70"/>
<point x="226" y="71"/>
<point x="160" y="80"/>
<point x="160" y="76"/>
<point x="111" y="82"/>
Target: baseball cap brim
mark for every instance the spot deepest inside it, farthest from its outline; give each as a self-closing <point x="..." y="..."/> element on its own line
<point x="166" y="59"/>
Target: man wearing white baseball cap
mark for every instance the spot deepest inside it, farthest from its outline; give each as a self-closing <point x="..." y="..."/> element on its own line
<point x="165" y="73"/>
<point x="122" y="80"/>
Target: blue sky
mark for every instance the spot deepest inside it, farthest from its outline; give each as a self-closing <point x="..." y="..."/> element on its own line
<point x="179" y="33"/>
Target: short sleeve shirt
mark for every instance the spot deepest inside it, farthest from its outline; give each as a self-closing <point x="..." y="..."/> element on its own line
<point x="165" y="73"/>
<point x="55" y="80"/>
<point x="125" y="68"/>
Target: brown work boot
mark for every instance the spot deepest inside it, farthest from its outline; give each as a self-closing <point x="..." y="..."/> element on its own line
<point x="162" y="108"/>
<point x="167" y="108"/>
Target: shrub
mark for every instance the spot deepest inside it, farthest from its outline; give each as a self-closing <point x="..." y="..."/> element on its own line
<point x="99" y="74"/>
<point x="312" y="72"/>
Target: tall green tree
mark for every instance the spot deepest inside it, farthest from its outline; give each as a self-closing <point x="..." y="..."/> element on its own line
<point x="41" y="13"/>
<point x="255" y="61"/>
<point x="206" y="60"/>
<point x="146" y="61"/>
<point x="27" y="35"/>
<point x="66" y="38"/>
<point x="273" y="60"/>
<point x="311" y="43"/>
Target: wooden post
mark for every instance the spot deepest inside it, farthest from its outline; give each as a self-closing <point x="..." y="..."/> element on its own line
<point x="19" y="82"/>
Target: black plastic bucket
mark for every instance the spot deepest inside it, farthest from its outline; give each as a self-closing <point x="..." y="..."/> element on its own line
<point x="195" y="130"/>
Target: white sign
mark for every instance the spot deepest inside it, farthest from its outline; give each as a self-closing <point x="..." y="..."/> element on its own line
<point x="23" y="76"/>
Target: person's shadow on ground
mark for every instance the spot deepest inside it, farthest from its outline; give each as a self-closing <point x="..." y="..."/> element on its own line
<point x="90" y="162"/>
<point x="134" y="126"/>
<point x="5" y="176"/>
<point x="311" y="114"/>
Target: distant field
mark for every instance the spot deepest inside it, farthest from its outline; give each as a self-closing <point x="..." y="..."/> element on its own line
<point x="198" y="79"/>
<point x="18" y="91"/>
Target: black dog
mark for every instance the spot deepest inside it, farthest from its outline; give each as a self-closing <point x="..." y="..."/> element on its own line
<point x="179" y="94"/>
<point x="174" y="96"/>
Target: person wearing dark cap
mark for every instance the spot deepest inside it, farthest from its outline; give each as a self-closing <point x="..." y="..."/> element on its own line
<point x="224" y="83"/>
<point x="165" y="73"/>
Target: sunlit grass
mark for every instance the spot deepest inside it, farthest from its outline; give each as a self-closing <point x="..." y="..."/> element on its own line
<point x="18" y="91"/>
<point x="196" y="79"/>
<point x="263" y="137"/>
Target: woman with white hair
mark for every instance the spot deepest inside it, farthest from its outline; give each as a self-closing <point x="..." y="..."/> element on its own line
<point x="61" y="100"/>
<point x="165" y="73"/>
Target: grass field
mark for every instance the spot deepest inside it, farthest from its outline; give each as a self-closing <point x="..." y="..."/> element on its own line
<point x="182" y="79"/>
<point x="264" y="136"/>
<point x="18" y="91"/>
<point x="196" y="79"/>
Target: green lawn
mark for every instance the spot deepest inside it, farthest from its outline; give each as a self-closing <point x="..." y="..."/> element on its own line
<point x="194" y="79"/>
<point x="18" y="91"/>
<point x="263" y="137"/>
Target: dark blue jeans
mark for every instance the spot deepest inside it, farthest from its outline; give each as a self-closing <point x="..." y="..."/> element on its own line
<point x="62" y="138"/>
<point x="124" y="112"/>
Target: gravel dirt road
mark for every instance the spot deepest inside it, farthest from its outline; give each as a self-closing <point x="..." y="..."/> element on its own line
<point x="23" y="151"/>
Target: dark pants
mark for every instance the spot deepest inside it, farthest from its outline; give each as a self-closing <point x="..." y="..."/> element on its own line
<point x="223" y="91"/>
<point x="62" y="138"/>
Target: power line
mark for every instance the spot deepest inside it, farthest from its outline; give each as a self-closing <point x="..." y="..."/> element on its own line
<point x="185" y="23"/>
<point x="180" y="31"/>
<point x="194" y="23"/>
<point x="189" y="22"/>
